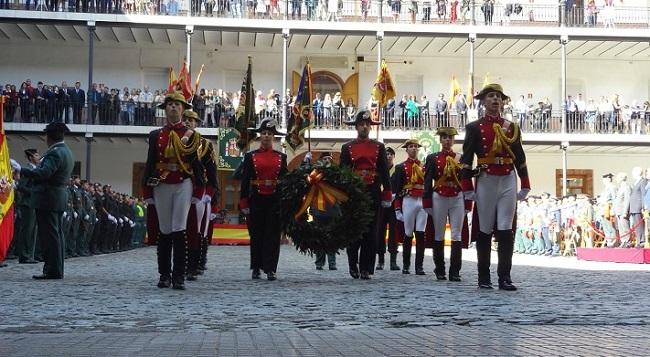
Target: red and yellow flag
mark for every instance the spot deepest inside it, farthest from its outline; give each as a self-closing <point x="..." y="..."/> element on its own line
<point x="6" y="190"/>
<point x="454" y="90"/>
<point x="171" y="82"/>
<point x="184" y="83"/>
<point x="384" y="89"/>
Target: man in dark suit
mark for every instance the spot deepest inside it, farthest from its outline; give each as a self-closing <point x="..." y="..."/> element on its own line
<point x="64" y="102"/>
<point x="94" y="97"/>
<point x="49" y="197"/>
<point x="78" y="100"/>
<point x="40" y="103"/>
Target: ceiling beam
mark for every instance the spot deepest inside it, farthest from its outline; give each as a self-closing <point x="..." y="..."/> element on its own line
<point x="427" y="45"/>
<point x="59" y="33"/>
<point x="307" y="42"/>
<point x="4" y="34"/>
<point x="23" y="31"/>
<point x="593" y="48"/>
<point x="150" y="35"/>
<point x="627" y="48"/>
<point x="410" y="44"/>
<point x="577" y="47"/>
<point x="132" y="35"/>
<point x="495" y="46"/>
<point x="289" y="42"/>
<point x="79" y="35"/>
<point x="393" y="45"/>
<point x="643" y="49"/>
<point x="509" y="47"/>
<point x="543" y="47"/>
<point x="480" y="44"/>
<point x="461" y="46"/>
<point x="273" y="40"/>
<point x="41" y="31"/>
<point x="238" y="34"/>
<point x="525" y="47"/>
<point x="611" y="48"/>
<point x="445" y="45"/>
<point x="359" y="43"/>
<point x="325" y="40"/>
<point x="169" y="38"/>
<point x="115" y="34"/>
<point x="205" y="41"/>
<point x="254" y="39"/>
<point x="345" y="37"/>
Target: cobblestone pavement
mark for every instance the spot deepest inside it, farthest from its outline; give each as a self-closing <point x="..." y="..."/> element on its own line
<point x="109" y="305"/>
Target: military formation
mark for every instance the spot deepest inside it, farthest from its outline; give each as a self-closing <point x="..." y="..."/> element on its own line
<point x="95" y="220"/>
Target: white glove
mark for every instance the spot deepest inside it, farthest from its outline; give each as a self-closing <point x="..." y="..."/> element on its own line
<point x="307" y="157"/>
<point x="521" y="195"/>
<point x="469" y="195"/>
<point x="195" y="200"/>
<point x="75" y="215"/>
<point x="65" y="214"/>
<point x="111" y="218"/>
<point x="132" y="224"/>
<point x="429" y="211"/>
<point x="86" y="217"/>
<point x="15" y="165"/>
<point x="206" y="199"/>
<point x="245" y="211"/>
<point x="399" y="216"/>
<point x="96" y="219"/>
<point x="386" y="204"/>
<point x="213" y="216"/>
<point x="149" y="201"/>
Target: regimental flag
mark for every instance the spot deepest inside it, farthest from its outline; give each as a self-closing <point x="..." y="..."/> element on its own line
<point x="184" y="82"/>
<point x="246" y="110"/>
<point x="384" y="89"/>
<point x="171" y="82"/>
<point x="454" y="90"/>
<point x="6" y="190"/>
<point x="302" y="113"/>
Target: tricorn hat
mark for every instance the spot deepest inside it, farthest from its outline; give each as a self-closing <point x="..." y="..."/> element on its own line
<point x="492" y="87"/>
<point x="361" y="116"/>
<point x="411" y="142"/>
<point x="447" y="130"/>
<point x="56" y="127"/>
<point x="267" y="123"/>
<point x="190" y="114"/>
<point x="175" y="97"/>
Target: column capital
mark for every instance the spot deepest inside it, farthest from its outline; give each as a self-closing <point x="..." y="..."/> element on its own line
<point x="189" y="29"/>
<point x="91" y="25"/>
<point x="564" y="39"/>
<point x="380" y="35"/>
<point x="471" y="37"/>
<point x="286" y="33"/>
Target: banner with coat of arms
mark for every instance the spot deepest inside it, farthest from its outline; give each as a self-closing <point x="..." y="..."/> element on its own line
<point x="229" y="154"/>
<point x="430" y="143"/>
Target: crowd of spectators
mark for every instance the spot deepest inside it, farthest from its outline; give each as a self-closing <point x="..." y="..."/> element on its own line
<point x="112" y="106"/>
<point x="487" y="12"/>
<point x="617" y="217"/>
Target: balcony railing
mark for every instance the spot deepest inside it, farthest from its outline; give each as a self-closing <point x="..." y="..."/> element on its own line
<point x="334" y="118"/>
<point x="424" y="12"/>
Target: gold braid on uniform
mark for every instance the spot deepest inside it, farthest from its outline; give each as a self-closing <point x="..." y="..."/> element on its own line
<point x="417" y="175"/>
<point x="180" y="150"/>
<point x="502" y="141"/>
<point x="449" y="172"/>
<point x="207" y="149"/>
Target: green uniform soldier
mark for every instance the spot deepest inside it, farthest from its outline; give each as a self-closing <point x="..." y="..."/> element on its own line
<point x="26" y="215"/>
<point x="49" y="198"/>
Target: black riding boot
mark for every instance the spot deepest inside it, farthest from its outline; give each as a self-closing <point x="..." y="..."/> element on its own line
<point x="504" y="252"/>
<point x="180" y="259"/>
<point x="406" y="255"/>
<point x="455" y="260"/>
<point x="439" y="259"/>
<point x="419" y="253"/>
<point x="483" y="246"/>
<point x="393" y="262"/>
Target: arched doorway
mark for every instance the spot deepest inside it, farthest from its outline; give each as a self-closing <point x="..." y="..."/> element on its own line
<point x="326" y="82"/>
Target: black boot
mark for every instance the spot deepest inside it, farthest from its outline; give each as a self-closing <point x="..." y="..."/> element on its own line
<point x="193" y="264"/>
<point x="393" y="262"/>
<point x="506" y="245"/>
<point x="483" y="251"/>
<point x="204" y="254"/>
<point x="164" y="250"/>
<point x="406" y="255"/>
<point x="180" y="259"/>
<point x="455" y="260"/>
<point x="380" y="262"/>
<point x="439" y="259"/>
<point x="419" y="253"/>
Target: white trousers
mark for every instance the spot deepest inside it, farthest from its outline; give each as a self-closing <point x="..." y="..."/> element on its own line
<point x="415" y="217"/>
<point x="496" y="201"/>
<point x="173" y="205"/>
<point x="448" y="207"/>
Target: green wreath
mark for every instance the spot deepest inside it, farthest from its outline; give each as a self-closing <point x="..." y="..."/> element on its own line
<point x="342" y="229"/>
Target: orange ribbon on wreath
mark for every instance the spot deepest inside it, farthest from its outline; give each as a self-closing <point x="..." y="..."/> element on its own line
<point x="321" y="194"/>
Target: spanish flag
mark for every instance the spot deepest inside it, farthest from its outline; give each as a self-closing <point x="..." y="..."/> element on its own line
<point x="384" y="89"/>
<point x="6" y="190"/>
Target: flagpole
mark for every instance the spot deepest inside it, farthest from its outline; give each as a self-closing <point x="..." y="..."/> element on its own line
<point x="380" y="38"/>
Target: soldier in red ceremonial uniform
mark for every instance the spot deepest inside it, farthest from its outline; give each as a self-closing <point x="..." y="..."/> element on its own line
<point x="261" y="170"/>
<point x="496" y="143"/>
<point x="367" y="158"/>
<point x="442" y="191"/>
<point x="408" y="183"/>
<point x="168" y="184"/>
<point x="197" y="240"/>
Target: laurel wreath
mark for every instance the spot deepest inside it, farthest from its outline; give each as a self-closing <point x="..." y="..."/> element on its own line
<point x="310" y="236"/>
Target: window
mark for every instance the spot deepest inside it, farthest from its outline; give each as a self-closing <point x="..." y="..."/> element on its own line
<point x="578" y="181"/>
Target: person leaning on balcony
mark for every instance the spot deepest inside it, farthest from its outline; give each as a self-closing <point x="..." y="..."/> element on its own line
<point x="170" y="183"/>
<point x="496" y="143"/>
<point x="259" y="199"/>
